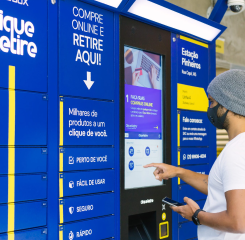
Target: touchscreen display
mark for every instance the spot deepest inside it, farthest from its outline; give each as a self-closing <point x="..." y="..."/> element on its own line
<point x="143" y="116"/>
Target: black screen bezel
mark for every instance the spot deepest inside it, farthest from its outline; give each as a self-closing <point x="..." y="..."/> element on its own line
<point x="155" y="40"/>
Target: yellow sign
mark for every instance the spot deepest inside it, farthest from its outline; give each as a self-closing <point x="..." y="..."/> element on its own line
<point x="192" y="98"/>
<point x="194" y="41"/>
<point x="220" y="45"/>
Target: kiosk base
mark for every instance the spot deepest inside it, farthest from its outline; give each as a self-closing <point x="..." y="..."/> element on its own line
<point x="142" y="226"/>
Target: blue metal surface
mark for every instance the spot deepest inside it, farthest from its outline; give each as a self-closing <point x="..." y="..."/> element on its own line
<point x="27" y="160"/>
<point x="78" y="208"/>
<point x="219" y="11"/>
<point x="178" y="10"/>
<point x="31" y="66"/>
<point x="117" y="126"/>
<point x="37" y="234"/>
<point x="27" y="215"/>
<point x="207" y="146"/>
<point x="92" y="51"/>
<point x="30" y="118"/>
<point x="186" y="190"/>
<point x="88" y="182"/>
<point x="194" y="155"/>
<point x="94" y="126"/>
<point x="194" y="129"/>
<point x="53" y="124"/>
<point x="87" y="158"/>
<point x="27" y="187"/>
<point x="187" y="231"/>
<point x="100" y="228"/>
<point x="174" y="140"/>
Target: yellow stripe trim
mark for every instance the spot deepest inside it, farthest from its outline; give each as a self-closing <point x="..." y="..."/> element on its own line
<point x="10" y="235"/>
<point x="60" y="234"/>
<point x="178" y="157"/>
<point x="61" y="122"/>
<point x="61" y="213"/>
<point x="178" y="129"/>
<point x="61" y="187"/>
<point x="11" y="209"/>
<point x="61" y="161"/>
<point x="11" y="153"/>
<point x="11" y="77"/>
<point x="178" y="165"/>
<point x="194" y="41"/>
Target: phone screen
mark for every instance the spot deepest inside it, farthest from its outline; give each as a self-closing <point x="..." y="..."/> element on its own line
<point x="171" y="202"/>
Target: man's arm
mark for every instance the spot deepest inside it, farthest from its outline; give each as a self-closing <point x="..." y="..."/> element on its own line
<point x="232" y="220"/>
<point x="164" y="172"/>
<point x="196" y="180"/>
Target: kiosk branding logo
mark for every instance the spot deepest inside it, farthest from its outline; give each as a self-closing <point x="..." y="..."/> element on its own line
<point x="16" y="28"/>
<point x="146" y="201"/>
<point x="21" y="2"/>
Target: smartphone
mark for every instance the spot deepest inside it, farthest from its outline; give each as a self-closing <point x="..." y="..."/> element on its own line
<point x="171" y="202"/>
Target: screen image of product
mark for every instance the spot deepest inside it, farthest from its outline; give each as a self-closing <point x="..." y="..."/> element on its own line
<point x="143" y="116"/>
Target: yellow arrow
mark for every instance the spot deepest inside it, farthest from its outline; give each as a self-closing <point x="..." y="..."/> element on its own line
<point x="192" y="98"/>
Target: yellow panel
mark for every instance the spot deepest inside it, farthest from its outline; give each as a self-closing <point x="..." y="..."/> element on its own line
<point x="61" y="213"/>
<point x="61" y="235"/>
<point x="11" y="153"/>
<point x="61" y="122"/>
<point x="194" y="41"/>
<point x="10" y="235"/>
<point x="11" y="209"/>
<point x="61" y="162"/>
<point x="178" y="157"/>
<point x="11" y="77"/>
<point x="220" y="46"/>
<point x="11" y="130"/>
<point x="61" y="187"/>
<point x="167" y="225"/>
<point x="178" y="129"/>
<point x="192" y="98"/>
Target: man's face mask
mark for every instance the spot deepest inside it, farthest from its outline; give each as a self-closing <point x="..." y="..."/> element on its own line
<point x="218" y="122"/>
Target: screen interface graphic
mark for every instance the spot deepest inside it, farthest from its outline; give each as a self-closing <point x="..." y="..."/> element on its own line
<point x="143" y="116"/>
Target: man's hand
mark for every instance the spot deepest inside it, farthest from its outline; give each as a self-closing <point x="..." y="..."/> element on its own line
<point x="163" y="171"/>
<point x="188" y="210"/>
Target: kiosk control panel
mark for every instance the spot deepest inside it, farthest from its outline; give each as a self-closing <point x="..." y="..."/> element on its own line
<point x="145" y="114"/>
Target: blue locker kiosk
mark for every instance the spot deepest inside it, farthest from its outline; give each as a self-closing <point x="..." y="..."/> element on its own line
<point x="90" y="92"/>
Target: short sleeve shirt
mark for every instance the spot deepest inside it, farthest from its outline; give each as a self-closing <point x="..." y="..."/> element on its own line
<point x="227" y="173"/>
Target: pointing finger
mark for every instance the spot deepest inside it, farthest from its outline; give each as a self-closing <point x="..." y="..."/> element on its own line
<point x="152" y="165"/>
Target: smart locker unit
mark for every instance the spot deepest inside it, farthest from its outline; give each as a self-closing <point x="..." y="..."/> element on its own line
<point x="91" y="91"/>
<point x="144" y="138"/>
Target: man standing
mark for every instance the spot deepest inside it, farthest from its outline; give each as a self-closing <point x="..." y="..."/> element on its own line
<point x="223" y="216"/>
